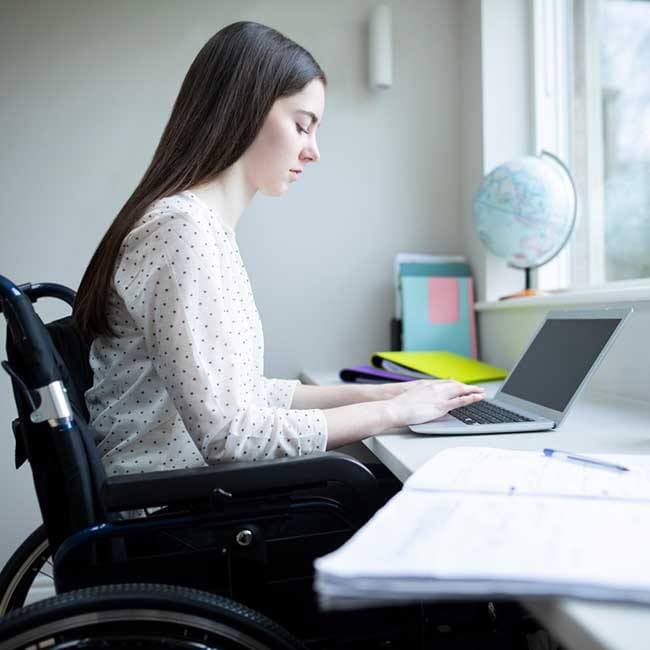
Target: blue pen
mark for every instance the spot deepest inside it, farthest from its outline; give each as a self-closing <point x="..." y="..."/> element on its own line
<point x="596" y="462"/>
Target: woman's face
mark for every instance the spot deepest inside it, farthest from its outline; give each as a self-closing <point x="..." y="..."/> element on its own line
<point x="287" y="141"/>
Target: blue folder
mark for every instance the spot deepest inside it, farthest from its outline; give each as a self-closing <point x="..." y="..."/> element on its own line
<point x="438" y="314"/>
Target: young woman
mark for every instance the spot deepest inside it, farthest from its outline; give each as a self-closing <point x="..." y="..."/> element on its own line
<point x="177" y="347"/>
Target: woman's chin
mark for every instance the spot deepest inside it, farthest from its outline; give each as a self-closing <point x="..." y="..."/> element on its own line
<point x="275" y="190"/>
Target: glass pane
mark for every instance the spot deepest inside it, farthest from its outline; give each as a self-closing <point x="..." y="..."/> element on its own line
<point x="625" y="76"/>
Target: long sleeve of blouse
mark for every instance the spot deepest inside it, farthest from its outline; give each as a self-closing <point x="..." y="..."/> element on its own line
<point x="190" y="346"/>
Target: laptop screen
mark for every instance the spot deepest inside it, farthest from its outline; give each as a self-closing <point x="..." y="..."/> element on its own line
<point x="558" y="359"/>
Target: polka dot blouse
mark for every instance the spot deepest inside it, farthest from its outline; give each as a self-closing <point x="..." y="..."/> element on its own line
<point x="181" y="384"/>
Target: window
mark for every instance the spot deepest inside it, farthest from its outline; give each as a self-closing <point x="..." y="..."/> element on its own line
<point x="592" y="95"/>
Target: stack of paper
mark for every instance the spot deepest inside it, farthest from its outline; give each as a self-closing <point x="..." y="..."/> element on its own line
<point x="481" y="522"/>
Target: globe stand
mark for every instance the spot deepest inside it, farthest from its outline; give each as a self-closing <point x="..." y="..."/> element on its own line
<point x="527" y="292"/>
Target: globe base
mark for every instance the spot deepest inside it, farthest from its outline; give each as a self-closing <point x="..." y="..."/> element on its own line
<point x="525" y="293"/>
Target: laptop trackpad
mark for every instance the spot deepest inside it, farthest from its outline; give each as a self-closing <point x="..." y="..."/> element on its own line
<point x="445" y="419"/>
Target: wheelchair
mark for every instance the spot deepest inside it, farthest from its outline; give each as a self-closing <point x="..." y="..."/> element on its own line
<point x="219" y="557"/>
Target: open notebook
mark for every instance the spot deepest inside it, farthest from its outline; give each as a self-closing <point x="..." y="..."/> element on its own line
<point x="480" y="522"/>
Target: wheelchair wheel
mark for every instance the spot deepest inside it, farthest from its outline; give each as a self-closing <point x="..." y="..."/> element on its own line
<point x="30" y="562"/>
<point x="142" y="616"/>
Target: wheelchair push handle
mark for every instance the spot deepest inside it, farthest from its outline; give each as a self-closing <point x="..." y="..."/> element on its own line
<point x="36" y="290"/>
<point x="39" y="374"/>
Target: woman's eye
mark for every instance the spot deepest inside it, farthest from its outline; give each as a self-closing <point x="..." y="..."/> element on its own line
<point x="300" y="129"/>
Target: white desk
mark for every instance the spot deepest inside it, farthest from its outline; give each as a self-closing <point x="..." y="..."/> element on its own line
<point x="597" y="423"/>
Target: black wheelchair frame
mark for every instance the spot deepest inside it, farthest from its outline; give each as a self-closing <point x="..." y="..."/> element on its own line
<point x="243" y="531"/>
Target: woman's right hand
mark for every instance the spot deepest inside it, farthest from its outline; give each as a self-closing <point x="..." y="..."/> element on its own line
<point x="429" y="399"/>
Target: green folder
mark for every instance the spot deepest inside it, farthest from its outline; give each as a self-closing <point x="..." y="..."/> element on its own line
<point x="438" y="364"/>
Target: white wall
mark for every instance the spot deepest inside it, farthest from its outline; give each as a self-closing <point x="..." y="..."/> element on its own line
<point x="86" y="88"/>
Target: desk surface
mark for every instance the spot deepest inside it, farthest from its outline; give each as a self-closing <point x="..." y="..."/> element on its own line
<point x="596" y="423"/>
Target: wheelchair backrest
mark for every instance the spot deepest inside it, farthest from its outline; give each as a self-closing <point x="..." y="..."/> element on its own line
<point x="52" y="427"/>
<point x="74" y="352"/>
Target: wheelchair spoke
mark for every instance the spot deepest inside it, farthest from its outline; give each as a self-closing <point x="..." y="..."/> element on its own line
<point x="28" y="575"/>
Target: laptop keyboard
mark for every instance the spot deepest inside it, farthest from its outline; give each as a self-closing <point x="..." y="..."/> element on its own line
<point x="486" y="413"/>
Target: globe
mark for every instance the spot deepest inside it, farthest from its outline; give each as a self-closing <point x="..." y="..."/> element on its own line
<point x="525" y="210"/>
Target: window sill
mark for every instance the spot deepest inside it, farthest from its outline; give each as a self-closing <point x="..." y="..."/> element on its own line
<point x="634" y="291"/>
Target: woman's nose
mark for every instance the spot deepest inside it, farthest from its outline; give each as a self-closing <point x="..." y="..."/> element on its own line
<point x="311" y="152"/>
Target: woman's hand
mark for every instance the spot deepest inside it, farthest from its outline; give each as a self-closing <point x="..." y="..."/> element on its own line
<point x="387" y="390"/>
<point x="387" y="406"/>
<point x="426" y="399"/>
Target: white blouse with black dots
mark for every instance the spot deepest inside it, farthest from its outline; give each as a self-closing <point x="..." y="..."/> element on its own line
<point x="181" y="384"/>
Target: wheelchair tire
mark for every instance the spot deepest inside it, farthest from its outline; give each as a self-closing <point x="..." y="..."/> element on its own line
<point x="145" y="616"/>
<point x="22" y="569"/>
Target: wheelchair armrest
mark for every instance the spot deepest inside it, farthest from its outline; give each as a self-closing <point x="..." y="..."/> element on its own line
<point x="150" y="489"/>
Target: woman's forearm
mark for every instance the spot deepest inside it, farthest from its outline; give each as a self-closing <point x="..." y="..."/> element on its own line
<point x="326" y="397"/>
<point x="347" y="424"/>
<point x="354" y="412"/>
<point x="387" y="406"/>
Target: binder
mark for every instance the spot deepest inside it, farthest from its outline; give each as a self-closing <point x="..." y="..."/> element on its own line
<point x="437" y="364"/>
<point x="371" y="375"/>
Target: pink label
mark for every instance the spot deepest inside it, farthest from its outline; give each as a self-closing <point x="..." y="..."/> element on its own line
<point x="444" y="299"/>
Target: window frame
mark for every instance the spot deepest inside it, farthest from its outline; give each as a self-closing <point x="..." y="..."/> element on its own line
<point x="566" y="100"/>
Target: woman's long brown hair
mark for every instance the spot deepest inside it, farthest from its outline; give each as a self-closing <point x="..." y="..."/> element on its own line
<point x="223" y="101"/>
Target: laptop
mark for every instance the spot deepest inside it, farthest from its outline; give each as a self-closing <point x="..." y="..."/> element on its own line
<point x="556" y="365"/>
